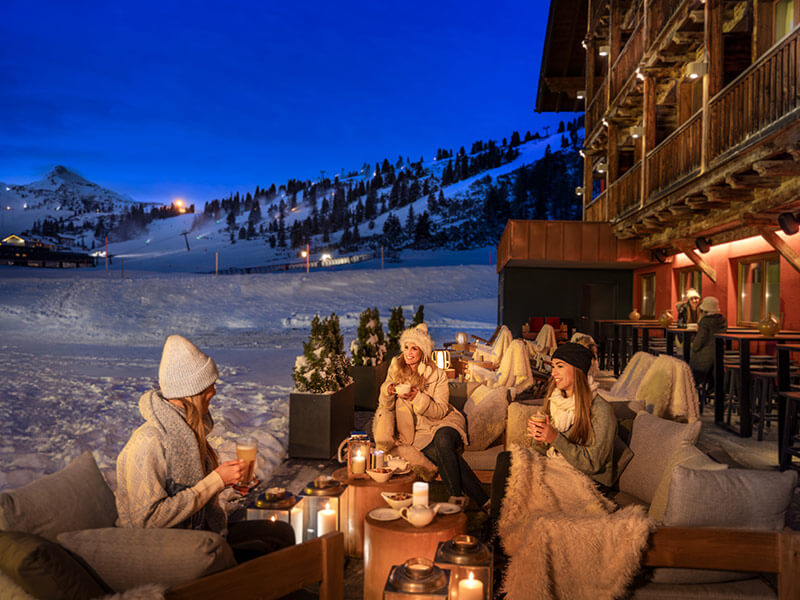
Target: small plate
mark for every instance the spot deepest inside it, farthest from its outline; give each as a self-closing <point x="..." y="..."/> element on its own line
<point x="403" y="472"/>
<point x="384" y="514"/>
<point x="447" y="508"/>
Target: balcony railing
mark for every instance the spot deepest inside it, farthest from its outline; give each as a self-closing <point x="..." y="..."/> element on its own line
<point x="600" y="8"/>
<point x="597" y="208"/>
<point x="628" y="60"/>
<point x="660" y="13"/>
<point x="624" y="193"/>
<point x="768" y="90"/>
<point x="677" y="156"/>
<point x="596" y="109"/>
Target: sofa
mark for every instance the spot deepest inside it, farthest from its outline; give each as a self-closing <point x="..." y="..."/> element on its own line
<point x="58" y="540"/>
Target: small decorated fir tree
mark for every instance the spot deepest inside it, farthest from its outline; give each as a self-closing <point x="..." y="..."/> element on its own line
<point x="323" y="365"/>
<point x="397" y="324"/>
<point x="419" y="316"/>
<point x="369" y="348"/>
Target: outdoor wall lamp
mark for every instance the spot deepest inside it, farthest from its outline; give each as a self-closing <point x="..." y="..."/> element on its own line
<point x="703" y="244"/>
<point x="602" y="166"/>
<point x="790" y="223"/>
<point x="604" y="50"/>
<point x="696" y="69"/>
<point x="579" y="191"/>
<point x="636" y="131"/>
<point x="581" y="95"/>
<point x="660" y="254"/>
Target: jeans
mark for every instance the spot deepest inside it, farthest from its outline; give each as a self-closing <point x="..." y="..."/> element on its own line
<point x="457" y="476"/>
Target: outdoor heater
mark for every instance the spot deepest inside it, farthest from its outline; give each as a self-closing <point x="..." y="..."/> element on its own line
<point x="470" y="564"/>
<point x="417" y="579"/>
<point x="321" y="507"/>
<point x="276" y="504"/>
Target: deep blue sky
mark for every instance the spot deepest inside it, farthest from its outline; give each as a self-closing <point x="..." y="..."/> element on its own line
<point x="199" y="99"/>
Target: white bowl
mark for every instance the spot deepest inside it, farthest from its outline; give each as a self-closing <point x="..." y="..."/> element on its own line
<point x="397" y="500"/>
<point x="381" y="475"/>
<point x="396" y="463"/>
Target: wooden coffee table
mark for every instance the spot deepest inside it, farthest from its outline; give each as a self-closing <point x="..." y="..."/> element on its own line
<point x="388" y="543"/>
<point x="360" y="497"/>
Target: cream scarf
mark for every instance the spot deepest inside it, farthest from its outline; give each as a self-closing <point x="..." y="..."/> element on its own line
<point x="562" y="410"/>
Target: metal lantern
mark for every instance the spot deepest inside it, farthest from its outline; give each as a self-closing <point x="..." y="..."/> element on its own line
<point x="469" y="562"/>
<point x="274" y="505"/>
<point x="321" y="506"/>
<point x="441" y="358"/>
<point x="417" y="579"/>
<point x="359" y="455"/>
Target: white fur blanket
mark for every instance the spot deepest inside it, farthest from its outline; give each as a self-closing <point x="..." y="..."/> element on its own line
<point x="631" y="378"/>
<point x="514" y="372"/>
<point x="546" y="340"/>
<point x="494" y="353"/>
<point x="667" y="390"/>
<point x="563" y="539"/>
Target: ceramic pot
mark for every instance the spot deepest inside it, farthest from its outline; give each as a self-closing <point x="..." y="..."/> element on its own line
<point x="665" y="320"/>
<point x="769" y="326"/>
<point x="634" y="315"/>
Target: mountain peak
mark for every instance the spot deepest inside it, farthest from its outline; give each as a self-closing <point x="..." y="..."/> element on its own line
<point x="64" y="174"/>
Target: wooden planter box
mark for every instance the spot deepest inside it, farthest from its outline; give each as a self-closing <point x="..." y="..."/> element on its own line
<point x="319" y="422"/>
<point x="367" y="382"/>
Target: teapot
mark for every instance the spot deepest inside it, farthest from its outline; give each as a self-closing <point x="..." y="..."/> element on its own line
<point x="419" y="515"/>
<point x="769" y="325"/>
<point x="634" y="315"/>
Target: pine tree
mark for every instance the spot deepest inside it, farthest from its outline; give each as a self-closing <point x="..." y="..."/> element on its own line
<point x="397" y="324"/>
<point x="419" y="316"/>
<point x="323" y="365"/>
<point x="410" y="221"/>
<point x="369" y="347"/>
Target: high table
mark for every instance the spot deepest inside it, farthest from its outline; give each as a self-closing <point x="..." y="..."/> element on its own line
<point x="688" y="336"/>
<point x="645" y="328"/>
<point x="620" y="349"/>
<point x="784" y="386"/>
<point x="744" y="338"/>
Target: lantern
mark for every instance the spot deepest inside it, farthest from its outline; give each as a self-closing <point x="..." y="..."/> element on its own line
<point x="441" y="358"/>
<point x="462" y="338"/>
<point x="321" y="506"/>
<point x="417" y="579"/>
<point x="276" y="504"/>
<point x="470" y="565"/>
<point x="358" y="455"/>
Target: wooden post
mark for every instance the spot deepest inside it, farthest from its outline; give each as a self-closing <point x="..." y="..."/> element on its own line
<point x="615" y="37"/>
<point x="712" y="81"/>
<point x="613" y="153"/>
<point x="649" y="126"/>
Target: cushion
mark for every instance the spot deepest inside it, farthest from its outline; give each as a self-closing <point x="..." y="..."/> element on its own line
<point x="737" y="498"/>
<point x="686" y="455"/>
<point x="45" y="570"/>
<point x="485" y="410"/>
<point x="128" y="557"/>
<point x="76" y="497"/>
<point x="652" y="442"/>
<point x="483" y="460"/>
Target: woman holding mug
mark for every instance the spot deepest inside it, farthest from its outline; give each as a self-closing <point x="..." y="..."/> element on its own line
<point x="168" y="475"/>
<point x="414" y="411"/>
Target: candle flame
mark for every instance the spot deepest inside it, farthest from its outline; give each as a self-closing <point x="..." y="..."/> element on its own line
<point x="327" y="506"/>
<point x="272" y="518"/>
<point x="471" y="575"/>
<point x="358" y="454"/>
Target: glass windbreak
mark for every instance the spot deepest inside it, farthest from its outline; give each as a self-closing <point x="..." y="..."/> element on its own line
<point x="691" y="278"/>
<point x="649" y="296"/>
<point x="759" y="290"/>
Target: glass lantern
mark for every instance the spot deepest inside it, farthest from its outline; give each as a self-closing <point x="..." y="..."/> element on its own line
<point x="279" y="506"/>
<point x="321" y="506"/>
<point x="442" y="360"/>
<point x="359" y="455"/>
<point x="417" y="579"/>
<point x="462" y="338"/>
<point x="469" y="562"/>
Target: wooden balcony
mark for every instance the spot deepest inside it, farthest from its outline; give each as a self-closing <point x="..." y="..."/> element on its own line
<point x="766" y="93"/>
<point x="660" y="13"/>
<point x="624" y="194"/>
<point x="628" y="60"/>
<point x="596" y="109"/>
<point x="596" y="209"/>
<point x="676" y="158"/>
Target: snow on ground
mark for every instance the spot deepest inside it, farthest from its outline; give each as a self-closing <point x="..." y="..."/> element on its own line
<point x="80" y="347"/>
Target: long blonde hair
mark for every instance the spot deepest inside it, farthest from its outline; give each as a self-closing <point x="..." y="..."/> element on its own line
<point x="200" y="427"/>
<point x="401" y="372"/>
<point x="581" y="431"/>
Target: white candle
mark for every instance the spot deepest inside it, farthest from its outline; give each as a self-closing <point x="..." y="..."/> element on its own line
<point x="326" y="521"/>
<point x="420" y="493"/>
<point x="359" y="464"/>
<point x="379" y="459"/>
<point x="297" y="524"/>
<point x="470" y="589"/>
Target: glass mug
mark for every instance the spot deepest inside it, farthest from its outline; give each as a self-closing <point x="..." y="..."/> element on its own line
<point x="247" y="450"/>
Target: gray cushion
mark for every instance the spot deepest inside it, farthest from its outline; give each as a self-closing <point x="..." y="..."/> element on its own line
<point x="737" y="498"/>
<point x="127" y="557"/>
<point x="652" y="442"/>
<point x="76" y="497"/>
<point x="486" y="416"/>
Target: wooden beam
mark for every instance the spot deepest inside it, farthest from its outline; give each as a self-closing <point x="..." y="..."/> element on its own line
<point x="752" y="181"/>
<point x="777" y="168"/>
<point x="784" y="249"/>
<point x="725" y="194"/>
<point x="701" y="264"/>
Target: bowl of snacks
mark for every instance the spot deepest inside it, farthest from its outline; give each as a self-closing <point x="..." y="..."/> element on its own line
<point x="381" y="474"/>
<point x="397" y="500"/>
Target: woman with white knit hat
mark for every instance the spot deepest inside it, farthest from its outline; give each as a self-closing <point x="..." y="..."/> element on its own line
<point x="422" y="418"/>
<point x="168" y="475"/>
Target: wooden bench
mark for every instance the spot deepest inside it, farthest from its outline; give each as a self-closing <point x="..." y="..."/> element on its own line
<point x="275" y="575"/>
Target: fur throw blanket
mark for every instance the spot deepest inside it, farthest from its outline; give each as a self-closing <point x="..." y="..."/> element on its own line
<point x="631" y="378"/>
<point x="667" y="390"/>
<point x="494" y="353"/>
<point x="514" y="372"/>
<point x="561" y="535"/>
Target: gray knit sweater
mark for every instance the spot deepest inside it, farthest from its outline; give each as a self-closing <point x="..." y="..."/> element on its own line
<point x="160" y="481"/>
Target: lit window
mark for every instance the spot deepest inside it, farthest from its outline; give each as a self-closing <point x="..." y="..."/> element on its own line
<point x="759" y="290"/>
<point x="649" y="296"/>
<point x="687" y="279"/>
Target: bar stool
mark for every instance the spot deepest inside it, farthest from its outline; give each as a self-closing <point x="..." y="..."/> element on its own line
<point x="764" y="386"/>
<point x="790" y="444"/>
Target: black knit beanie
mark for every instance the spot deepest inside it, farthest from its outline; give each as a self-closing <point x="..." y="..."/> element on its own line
<point x="576" y="355"/>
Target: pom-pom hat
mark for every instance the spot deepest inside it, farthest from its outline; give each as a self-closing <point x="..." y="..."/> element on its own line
<point x="577" y="355"/>
<point x="692" y="293"/>
<point x="185" y="370"/>
<point x="418" y="336"/>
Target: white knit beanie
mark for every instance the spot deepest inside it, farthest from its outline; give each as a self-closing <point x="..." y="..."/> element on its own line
<point x="419" y="337"/>
<point x="710" y="305"/>
<point x="185" y="370"/>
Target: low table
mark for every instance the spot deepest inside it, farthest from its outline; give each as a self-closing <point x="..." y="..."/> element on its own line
<point x="360" y="497"/>
<point x="388" y="543"/>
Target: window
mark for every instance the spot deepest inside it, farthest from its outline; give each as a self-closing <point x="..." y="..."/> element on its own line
<point x="649" y="296"/>
<point x="689" y="278"/>
<point x="784" y="18"/>
<point x="759" y="289"/>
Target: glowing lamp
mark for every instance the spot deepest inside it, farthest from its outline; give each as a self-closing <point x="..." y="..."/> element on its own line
<point x="470" y="564"/>
<point x="604" y="50"/>
<point x="581" y="95"/>
<point x="358" y="451"/>
<point x="636" y="131"/>
<point x="601" y="167"/>
<point x="696" y="69"/>
<point x="417" y="579"/>
<point x="462" y="337"/>
<point x="441" y="358"/>
<point x="279" y="505"/>
<point x="579" y="191"/>
<point x="322" y="507"/>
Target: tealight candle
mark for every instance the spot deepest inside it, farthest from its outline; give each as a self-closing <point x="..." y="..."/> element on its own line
<point x="326" y="520"/>
<point x="470" y="589"/>
<point x="379" y="459"/>
<point x="359" y="464"/>
<point x="419" y="492"/>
